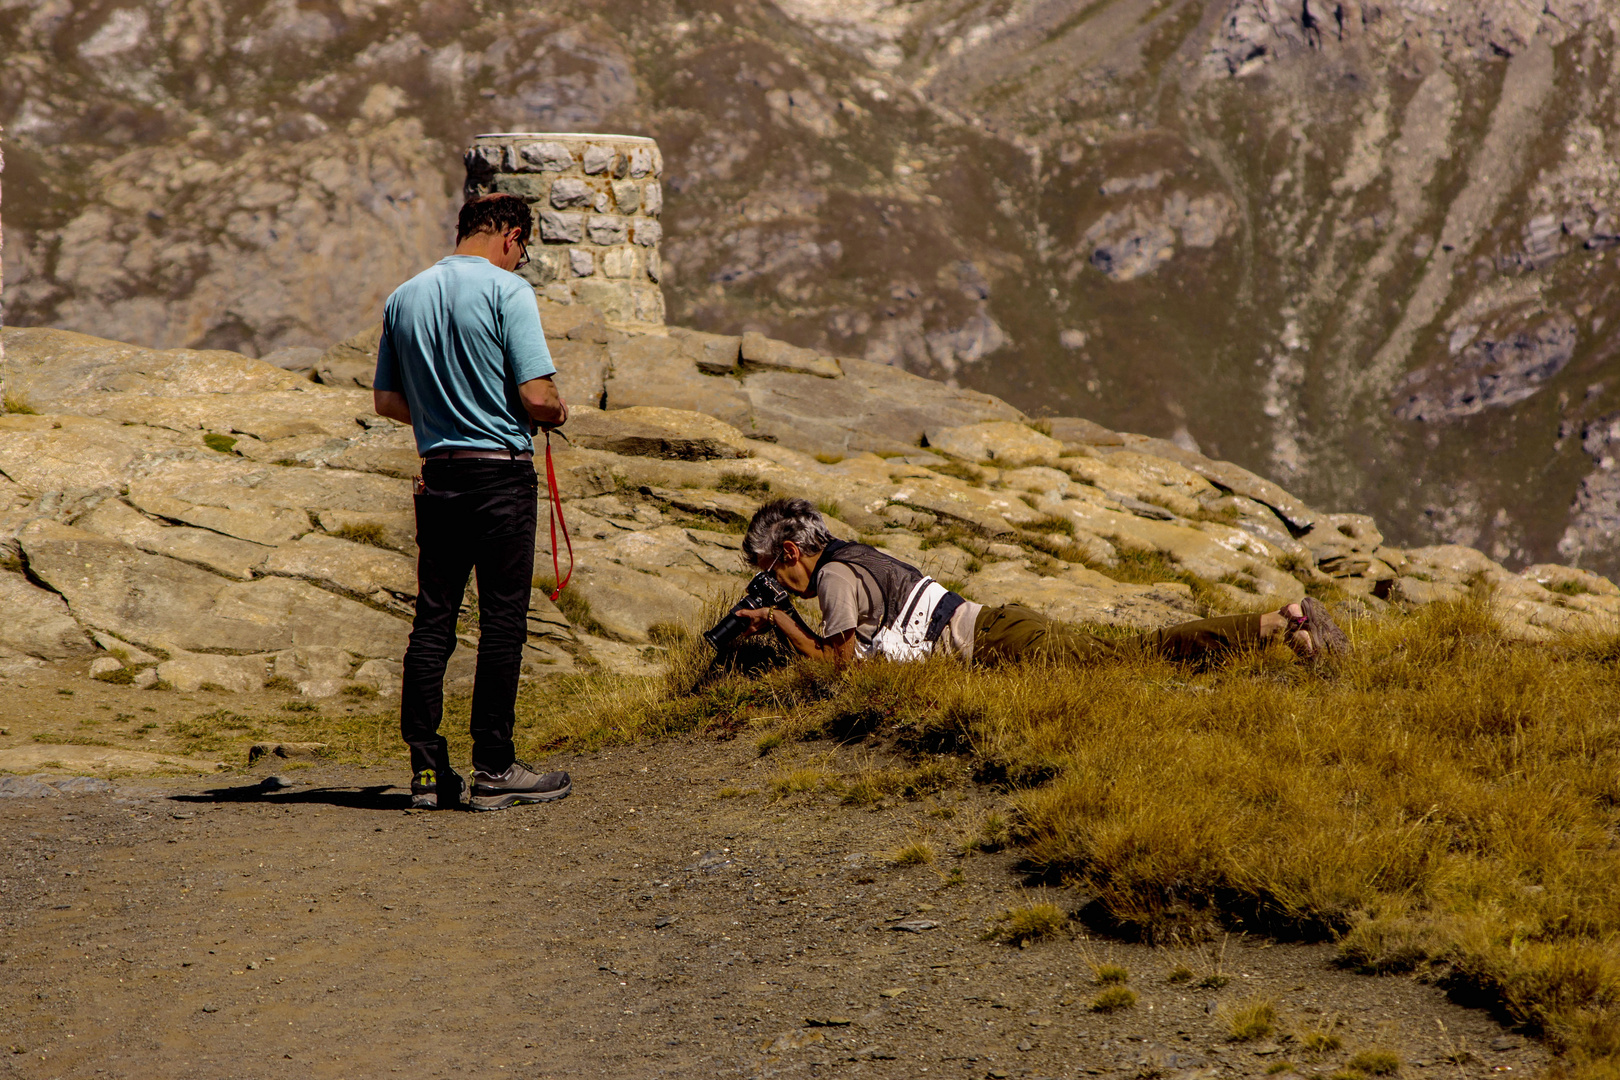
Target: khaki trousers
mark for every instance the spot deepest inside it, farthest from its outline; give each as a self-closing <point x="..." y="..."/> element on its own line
<point x="1004" y="634"/>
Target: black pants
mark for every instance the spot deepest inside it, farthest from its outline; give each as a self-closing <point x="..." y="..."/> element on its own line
<point x="471" y="514"/>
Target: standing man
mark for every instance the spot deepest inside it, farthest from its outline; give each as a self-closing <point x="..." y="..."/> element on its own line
<point x="463" y="361"/>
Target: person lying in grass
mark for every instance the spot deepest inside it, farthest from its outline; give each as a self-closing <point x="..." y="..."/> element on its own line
<point x="874" y="605"/>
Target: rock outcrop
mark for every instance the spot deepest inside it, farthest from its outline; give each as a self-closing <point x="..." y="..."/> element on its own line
<point x="201" y="518"/>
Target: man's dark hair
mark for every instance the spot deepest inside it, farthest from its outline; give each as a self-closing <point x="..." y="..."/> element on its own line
<point x="785" y="519"/>
<point x="494" y="213"/>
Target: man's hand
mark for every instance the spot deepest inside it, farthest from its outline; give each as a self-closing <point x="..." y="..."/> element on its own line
<point x="392" y="404"/>
<point x="839" y="649"/>
<point x="542" y="402"/>
<point x="759" y="620"/>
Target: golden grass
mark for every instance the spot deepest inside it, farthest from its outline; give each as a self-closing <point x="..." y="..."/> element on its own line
<point x="364" y="532"/>
<point x="794" y="781"/>
<point x="14" y="402"/>
<point x="1113" y="999"/>
<point x="1032" y="922"/>
<point x="1107" y="974"/>
<point x="1320" y="1038"/>
<point x="1251" y="1018"/>
<point x="1375" y="1063"/>
<point x="915" y="853"/>
<point x="1444" y="801"/>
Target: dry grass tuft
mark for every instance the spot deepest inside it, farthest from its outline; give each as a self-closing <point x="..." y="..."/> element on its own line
<point x="991" y="834"/>
<point x="744" y="484"/>
<point x="1032" y="922"/>
<point x="915" y="853"/>
<point x="1252" y="1018"/>
<point x="14" y="402"/>
<point x="1109" y="974"/>
<point x="1375" y="1063"/>
<point x="871" y="784"/>
<point x="364" y="532"/>
<point x="1113" y="999"/>
<point x="1321" y="1038"/>
<point x="572" y="603"/>
<point x="794" y="781"/>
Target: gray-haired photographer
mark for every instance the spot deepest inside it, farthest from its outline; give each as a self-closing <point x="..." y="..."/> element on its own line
<point x="876" y="606"/>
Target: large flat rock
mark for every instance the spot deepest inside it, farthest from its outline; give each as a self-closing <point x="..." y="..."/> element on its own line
<point x="37" y="623"/>
<point x="626" y="601"/>
<point x="1084" y="596"/>
<point x="1003" y="443"/>
<point x="159" y="602"/>
<point x="657" y="371"/>
<point x="73" y="453"/>
<point x="651" y="431"/>
<point x="873" y="407"/>
<point x="1230" y="477"/>
<point x="205" y="548"/>
<point x="349" y="567"/>
<point x="48" y="366"/>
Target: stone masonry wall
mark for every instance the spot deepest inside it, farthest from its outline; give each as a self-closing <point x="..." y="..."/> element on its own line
<point x="596" y="200"/>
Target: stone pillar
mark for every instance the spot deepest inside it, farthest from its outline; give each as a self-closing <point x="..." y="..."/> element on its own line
<point x="596" y="201"/>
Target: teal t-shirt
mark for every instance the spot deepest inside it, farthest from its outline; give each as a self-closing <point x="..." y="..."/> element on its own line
<point x="457" y="340"/>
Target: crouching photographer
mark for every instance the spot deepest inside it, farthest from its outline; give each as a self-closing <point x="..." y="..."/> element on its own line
<point x="876" y="606"/>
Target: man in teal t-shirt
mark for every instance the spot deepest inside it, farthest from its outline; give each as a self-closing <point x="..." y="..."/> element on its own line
<point x="464" y="361"/>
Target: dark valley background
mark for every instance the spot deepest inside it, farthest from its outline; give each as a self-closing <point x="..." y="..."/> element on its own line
<point x="1360" y="247"/>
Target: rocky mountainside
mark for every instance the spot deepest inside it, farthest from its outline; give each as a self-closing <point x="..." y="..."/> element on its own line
<point x="187" y="517"/>
<point x="1360" y="246"/>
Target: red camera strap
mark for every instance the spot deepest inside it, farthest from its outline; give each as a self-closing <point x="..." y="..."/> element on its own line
<point x="557" y="519"/>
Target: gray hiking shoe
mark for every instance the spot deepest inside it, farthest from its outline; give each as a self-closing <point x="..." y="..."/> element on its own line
<point x="1328" y="639"/>
<point x="425" y="792"/>
<point x="518" y="784"/>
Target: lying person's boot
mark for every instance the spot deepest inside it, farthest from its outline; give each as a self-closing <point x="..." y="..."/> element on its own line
<point x="1326" y="639"/>
<point x="518" y="784"/>
<point x="430" y="788"/>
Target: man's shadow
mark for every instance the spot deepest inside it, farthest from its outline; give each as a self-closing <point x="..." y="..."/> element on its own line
<point x="271" y="793"/>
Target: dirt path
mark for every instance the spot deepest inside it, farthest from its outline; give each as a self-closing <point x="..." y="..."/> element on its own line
<point x="643" y="927"/>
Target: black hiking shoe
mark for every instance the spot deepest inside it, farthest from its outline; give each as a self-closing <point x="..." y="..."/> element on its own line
<point x="428" y="786"/>
<point x="518" y="784"/>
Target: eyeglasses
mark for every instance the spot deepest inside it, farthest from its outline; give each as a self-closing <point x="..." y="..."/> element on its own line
<point x="523" y="259"/>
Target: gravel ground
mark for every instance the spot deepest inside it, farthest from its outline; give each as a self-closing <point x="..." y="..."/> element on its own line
<point x="645" y="926"/>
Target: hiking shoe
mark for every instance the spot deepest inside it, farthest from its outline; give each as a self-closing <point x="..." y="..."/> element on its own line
<point x="425" y="791"/>
<point x="1328" y="640"/>
<point x="518" y="784"/>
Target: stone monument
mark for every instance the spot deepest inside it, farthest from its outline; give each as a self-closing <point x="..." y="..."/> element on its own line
<point x="596" y="201"/>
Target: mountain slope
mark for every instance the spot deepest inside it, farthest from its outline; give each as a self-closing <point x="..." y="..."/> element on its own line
<point x="1361" y="247"/>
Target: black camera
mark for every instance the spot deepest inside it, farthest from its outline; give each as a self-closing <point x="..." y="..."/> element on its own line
<point x="763" y="592"/>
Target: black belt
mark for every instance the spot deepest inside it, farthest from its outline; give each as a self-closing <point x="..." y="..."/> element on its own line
<point x="493" y="455"/>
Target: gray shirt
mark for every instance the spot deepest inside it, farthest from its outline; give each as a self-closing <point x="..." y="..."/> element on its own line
<point x="849" y="599"/>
